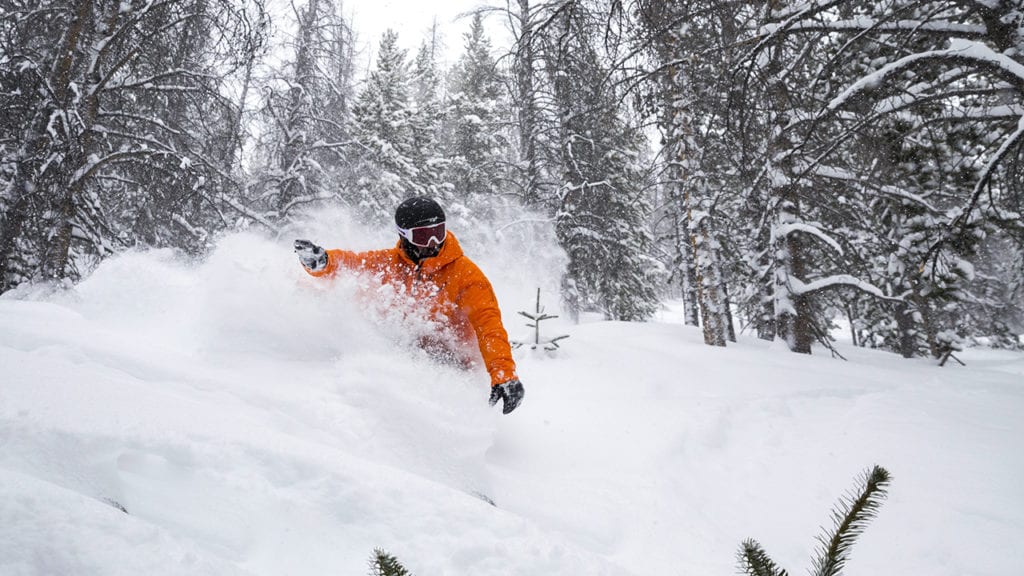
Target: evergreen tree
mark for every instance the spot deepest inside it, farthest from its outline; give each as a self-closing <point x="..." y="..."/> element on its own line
<point x="850" y="519"/>
<point x="477" y="146"/>
<point x="384" y="564"/>
<point x="601" y="221"/>
<point x="427" y="119"/>
<point x="923" y="187"/>
<point x="384" y="119"/>
<point x="786" y="80"/>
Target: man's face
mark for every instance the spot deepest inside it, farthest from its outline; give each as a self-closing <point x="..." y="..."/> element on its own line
<point x="418" y="253"/>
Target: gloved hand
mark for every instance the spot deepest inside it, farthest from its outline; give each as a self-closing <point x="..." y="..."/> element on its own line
<point x="311" y="255"/>
<point x="511" y="393"/>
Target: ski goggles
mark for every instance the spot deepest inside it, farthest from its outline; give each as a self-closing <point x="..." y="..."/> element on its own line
<point x="422" y="236"/>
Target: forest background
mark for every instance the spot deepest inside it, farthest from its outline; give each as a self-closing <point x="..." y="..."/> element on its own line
<point x="779" y="165"/>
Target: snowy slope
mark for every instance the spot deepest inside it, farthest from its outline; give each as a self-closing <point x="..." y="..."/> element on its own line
<point x="252" y="420"/>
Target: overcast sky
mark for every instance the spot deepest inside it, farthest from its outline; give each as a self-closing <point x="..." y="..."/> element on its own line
<point x="412" y="19"/>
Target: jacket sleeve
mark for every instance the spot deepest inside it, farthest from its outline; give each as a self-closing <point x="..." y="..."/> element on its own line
<point x="356" y="261"/>
<point x="478" y="302"/>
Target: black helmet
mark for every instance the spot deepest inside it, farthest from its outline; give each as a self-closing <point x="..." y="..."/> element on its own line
<point x="418" y="211"/>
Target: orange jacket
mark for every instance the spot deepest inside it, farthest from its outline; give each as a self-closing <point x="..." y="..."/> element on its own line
<point x="461" y="294"/>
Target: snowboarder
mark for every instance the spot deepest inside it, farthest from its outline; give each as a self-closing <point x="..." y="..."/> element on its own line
<point x="428" y="263"/>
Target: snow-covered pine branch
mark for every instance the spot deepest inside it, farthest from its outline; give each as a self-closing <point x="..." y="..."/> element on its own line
<point x="154" y="121"/>
<point x="800" y="288"/>
<point x="1013" y="141"/>
<point x="785" y="229"/>
<point x="866" y="23"/>
<point x="94" y="163"/>
<point x="834" y="173"/>
<point x="960" y="52"/>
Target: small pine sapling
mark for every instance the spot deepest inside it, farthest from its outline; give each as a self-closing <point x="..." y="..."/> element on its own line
<point x="384" y="564"/>
<point x="755" y="561"/>
<point x="538" y="315"/>
<point x="850" y="518"/>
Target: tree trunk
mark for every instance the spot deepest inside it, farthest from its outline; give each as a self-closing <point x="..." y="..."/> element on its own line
<point x="851" y="317"/>
<point x="67" y="185"/>
<point x="928" y="324"/>
<point x="767" y="326"/>
<point x="296" y="115"/>
<point x="707" y="282"/>
<point x="13" y="224"/>
<point x="905" y="327"/>
<point x="525" y="58"/>
<point x="730" y="328"/>
<point x="687" y="259"/>
<point x="792" y="310"/>
<point x="691" y="315"/>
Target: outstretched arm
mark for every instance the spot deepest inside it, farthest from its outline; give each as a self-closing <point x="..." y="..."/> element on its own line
<point x="319" y="262"/>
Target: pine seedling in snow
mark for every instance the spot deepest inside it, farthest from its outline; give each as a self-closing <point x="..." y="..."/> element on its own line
<point x="549" y="344"/>
<point x="850" y="518"/>
<point x="855" y="511"/>
<point x="754" y="561"/>
<point x="384" y="564"/>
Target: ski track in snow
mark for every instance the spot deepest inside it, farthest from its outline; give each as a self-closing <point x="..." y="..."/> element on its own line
<point x="251" y="420"/>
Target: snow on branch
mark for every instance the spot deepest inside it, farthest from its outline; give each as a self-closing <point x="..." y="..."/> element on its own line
<point x="244" y="211"/>
<point x="1002" y="112"/>
<point x="150" y="120"/>
<point x="307" y="199"/>
<point x="866" y="23"/>
<point x="783" y="230"/>
<point x="94" y="162"/>
<point x="835" y="173"/>
<point x="960" y="50"/>
<point x="799" y="10"/>
<point x="798" y="287"/>
<point x="197" y="233"/>
<point x="1014" y="140"/>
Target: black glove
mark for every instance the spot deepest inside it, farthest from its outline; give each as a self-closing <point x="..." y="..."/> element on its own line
<point x="311" y="255"/>
<point x="510" y="392"/>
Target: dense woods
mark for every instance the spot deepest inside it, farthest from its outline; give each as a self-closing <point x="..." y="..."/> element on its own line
<point x="779" y="165"/>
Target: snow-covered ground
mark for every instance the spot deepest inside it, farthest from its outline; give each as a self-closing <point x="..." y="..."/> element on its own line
<point x="252" y="420"/>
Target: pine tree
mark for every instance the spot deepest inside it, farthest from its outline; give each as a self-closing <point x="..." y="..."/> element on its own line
<point x="427" y="119"/>
<point x="850" y="519"/>
<point x="478" y="146"/>
<point x="385" y="564"/>
<point x="799" y="177"/>
<point x="922" y="188"/>
<point x="602" y="211"/>
<point x="384" y="119"/>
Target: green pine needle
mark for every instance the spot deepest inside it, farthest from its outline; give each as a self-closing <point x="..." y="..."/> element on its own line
<point x="850" y="518"/>
<point x="384" y="564"/>
<point x="754" y="561"/>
